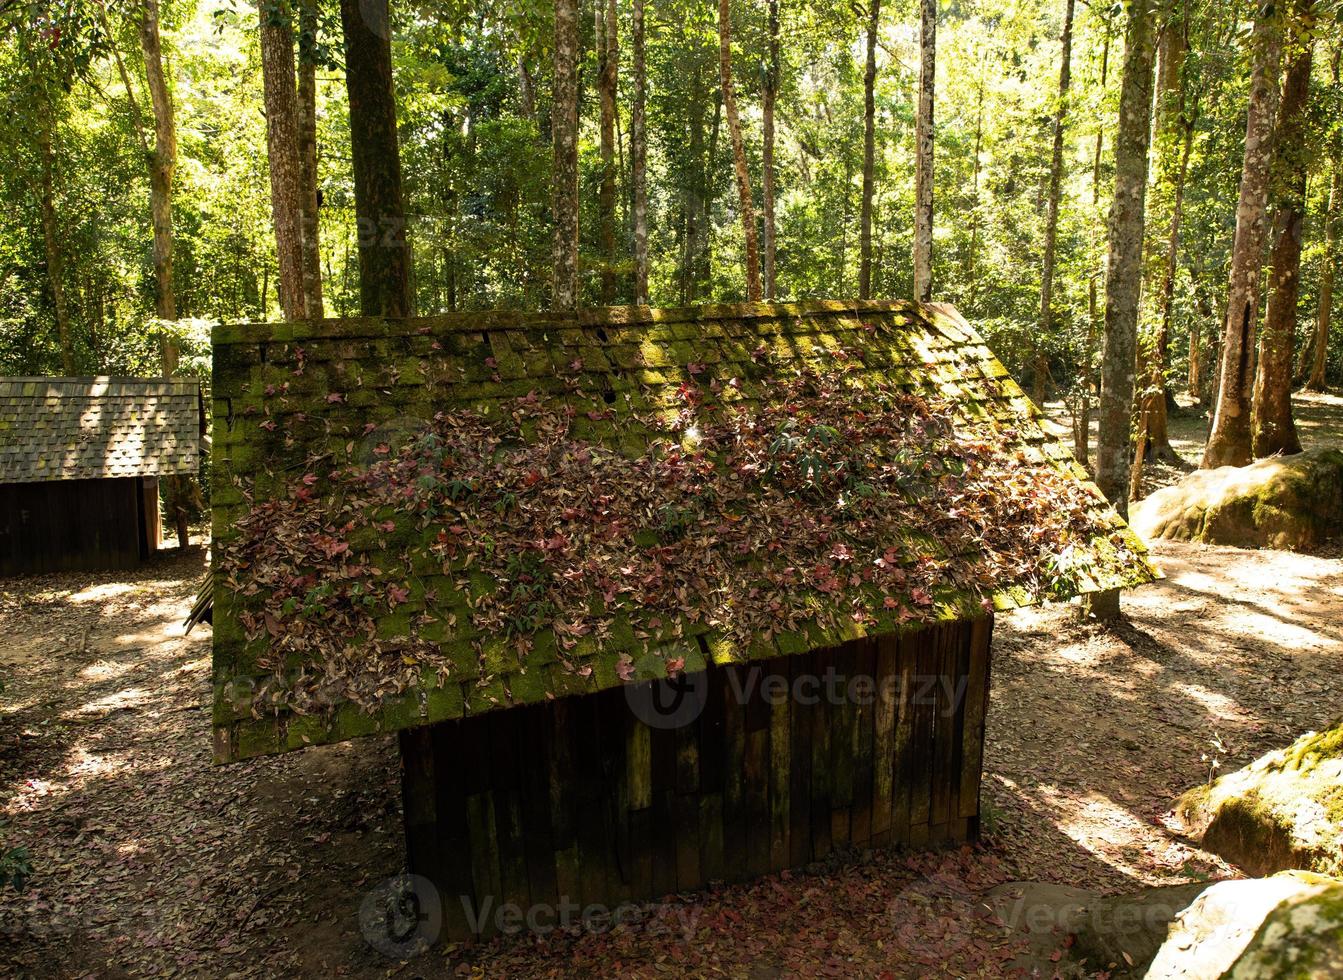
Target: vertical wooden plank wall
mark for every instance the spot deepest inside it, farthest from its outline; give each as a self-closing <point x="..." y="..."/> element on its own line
<point x="578" y="801"/>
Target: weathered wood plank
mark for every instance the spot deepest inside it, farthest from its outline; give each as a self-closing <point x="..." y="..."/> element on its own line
<point x="800" y="724"/>
<point x="976" y="706"/>
<point x="863" y="693"/>
<point x="885" y="714"/>
<point x="780" y="757"/>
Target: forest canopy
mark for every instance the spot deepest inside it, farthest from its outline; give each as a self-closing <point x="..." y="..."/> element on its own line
<point x="1022" y="178"/>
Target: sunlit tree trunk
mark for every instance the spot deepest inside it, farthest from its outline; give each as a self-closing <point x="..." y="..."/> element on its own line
<point x="746" y="200"/>
<point x="1229" y="441"/>
<point x="923" y="163"/>
<point x="384" y="256"/>
<point x="1320" y="352"/>
<point x="638" y="156"/>
<point x="1274" y="428"/>
<point x="52" y="241"/>
<point x="162" y="164"/>
<point x="1124" y="269"/>
<point x="1046" y="327"/>
<point x="307" y="159"/>
<point x="282" y="134"/>
<point x="1170" y="81"/>
<point x="607" y="74"/>
<point x="564" y="130"/>
<point x="869" y="152"/>
<point x="768" y="95"/>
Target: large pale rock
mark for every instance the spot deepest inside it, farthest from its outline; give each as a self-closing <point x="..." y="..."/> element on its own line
<point x="1281" y="502"/>
<point x="1284" y="810"/>
<point x="1290" y="925"/>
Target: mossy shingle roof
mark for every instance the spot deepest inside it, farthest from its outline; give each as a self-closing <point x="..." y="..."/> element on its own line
<point x="96" y="428"/>
<point x="385" y="558"/>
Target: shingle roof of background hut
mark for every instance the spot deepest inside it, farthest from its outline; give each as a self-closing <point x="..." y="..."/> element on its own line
<point x="94" y="428"/>
<point x="419" y="520"/>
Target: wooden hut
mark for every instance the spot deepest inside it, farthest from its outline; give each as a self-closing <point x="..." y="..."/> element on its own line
<point x="653" y="598"/>
<point x="80" y="460"/>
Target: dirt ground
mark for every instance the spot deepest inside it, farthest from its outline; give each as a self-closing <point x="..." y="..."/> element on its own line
<point x="150" y="861"/>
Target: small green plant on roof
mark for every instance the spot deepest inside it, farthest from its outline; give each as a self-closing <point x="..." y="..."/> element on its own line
<point x="836" y="503"/>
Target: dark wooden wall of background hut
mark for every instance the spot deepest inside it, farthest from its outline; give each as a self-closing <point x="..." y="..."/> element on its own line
<point x="77" y="525"/>
<point x="578" y="799"/>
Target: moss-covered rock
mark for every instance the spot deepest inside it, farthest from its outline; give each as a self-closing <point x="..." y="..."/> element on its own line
<point x="1284" y="810"/>
<point x="1282" y="502"/>
<point x="1287" y="926"/>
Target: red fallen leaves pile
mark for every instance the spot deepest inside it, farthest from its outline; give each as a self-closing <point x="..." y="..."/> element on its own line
<point x="834" y="502"/>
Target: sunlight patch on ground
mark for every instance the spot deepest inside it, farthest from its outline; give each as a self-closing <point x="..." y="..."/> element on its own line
<point x="1093" y="821"/>
<point x="1218" y="706"/>
<point x="104" y="670"/>
<point x="131" y="697"/>
<point x="102" y="592"/>
<point x="1248" y="623"/>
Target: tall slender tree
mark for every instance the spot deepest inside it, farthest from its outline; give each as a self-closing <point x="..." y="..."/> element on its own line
<point x="564" y="133"/>
<point x="923" y="160"/>
<point x="162" y="161"/>
<point x="384" y="255"/>
<point x="1124" y="268"/>
<point x="1274" y="427"/>
<point x="309" y="221"/>
<point x="1229" y="441"/>
<point x="1046" y="326"/>
<point x="1328" y="264"/>
<point x="869" y="151"/>
<point x="608" y="65"/>
<point x="769" y="94"/>
<point x="282" y="133"/>
<point x="639" y="154"/>
<point x="745" y="198"/>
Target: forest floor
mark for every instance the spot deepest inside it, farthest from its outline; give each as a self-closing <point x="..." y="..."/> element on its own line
<point x="1318" y="415"/>
<point x="148" y="860"/>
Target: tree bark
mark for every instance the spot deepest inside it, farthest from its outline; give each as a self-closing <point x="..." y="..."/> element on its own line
<point x="768" y="95"/>
<point x="1172" y="59"/>
<point x="1046" y="330"/>
<point x="384" y="256"/>
<point x="1274" y="429"/>
<point x="1320" y="354"/>
<point x="639" y="156"/>
<point x="1124" y="271"/>
<point x="309" y="217"/>
<point x="281" y="98"/>
<point x="1229" y="441"/>
<point x="923" y="164"/>
<point x="162" y="165"/>
<point x="608" y="55"/>
<point x="564" y="132"/>
<point x="746" y="200"/>
<point x="869" y="152"/>
<point x="51" y="239"/>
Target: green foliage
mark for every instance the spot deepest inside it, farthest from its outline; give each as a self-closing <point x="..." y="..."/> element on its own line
<point x="16" y="866"/>
<point x="473" y="86"/>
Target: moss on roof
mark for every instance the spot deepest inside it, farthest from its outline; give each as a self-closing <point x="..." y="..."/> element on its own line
<point x="420" y="520"/>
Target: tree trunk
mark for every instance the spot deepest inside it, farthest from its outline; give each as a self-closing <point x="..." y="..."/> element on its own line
<point x="1229" y="442"/>
<point x="307" y="159"/>
<point x="162" y="163"/>
<point x="869" y="152"/>
<point x="1124" y="271"/>
<point x="1046" y="330"/>
<point x="768" y="95"/>
<point x="281" y="98"/>
<point x="384" y="257"/>
<point x="52" y="241"/>
<point x="638" y="157"/>
<point x="747" y="202"/>
<point x="608" y="55"/>
<point x="923" y="165"/>
<point x="1159" y="446"/>
<point x="1274" y="429"/>
<point x="1320" y="354"/>
<point x="564" y="129"/>
<point x="692" y="203"/>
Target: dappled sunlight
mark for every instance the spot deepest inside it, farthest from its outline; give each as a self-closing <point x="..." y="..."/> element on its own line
<point x="102" y="592"/>
<point x="132" y="697"/>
